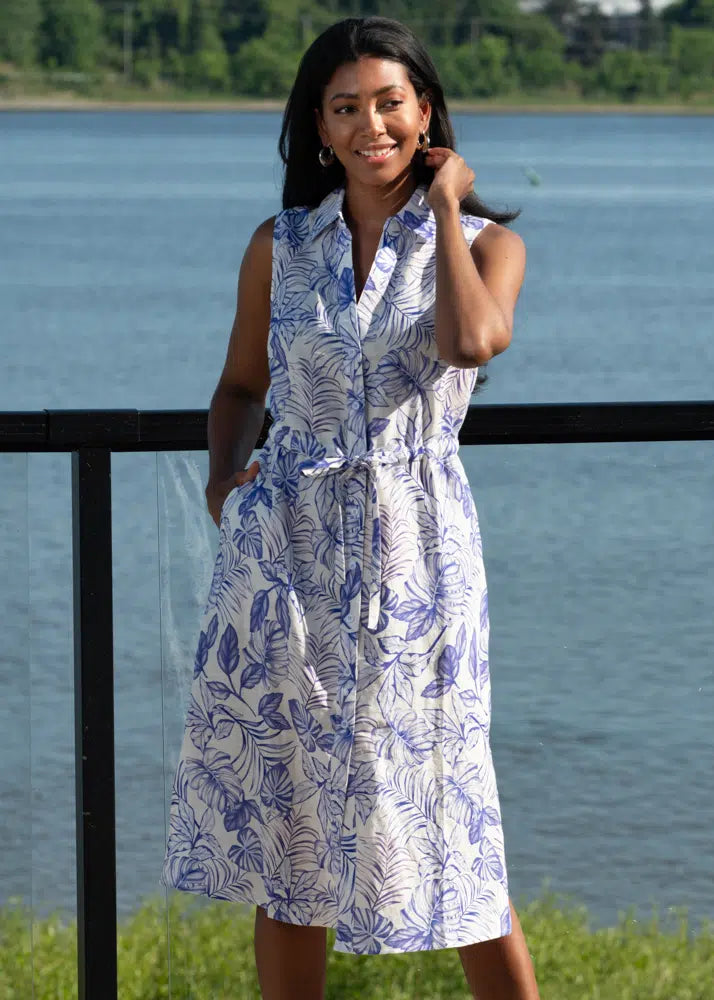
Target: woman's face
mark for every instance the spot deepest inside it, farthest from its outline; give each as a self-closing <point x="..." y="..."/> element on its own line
<point x="372" y="118"/>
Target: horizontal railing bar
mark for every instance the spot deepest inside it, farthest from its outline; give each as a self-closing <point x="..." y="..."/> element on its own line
<point x="485" y="423"/>
<point x="27" y="430"/>
<point x="580" y="423"/>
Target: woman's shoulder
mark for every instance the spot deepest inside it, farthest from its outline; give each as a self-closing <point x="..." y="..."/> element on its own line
<point x="497" y="245"/>
<point x="258" y="254"/>
<point x="496" y="234"/>
<point x="261" y="241"/>
<point x="482" y="231"/>
<point x="476" y="223"/>
<point x="264" y="232"/>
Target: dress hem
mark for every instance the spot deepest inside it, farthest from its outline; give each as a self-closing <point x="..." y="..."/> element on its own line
<point x="339" y="946"/>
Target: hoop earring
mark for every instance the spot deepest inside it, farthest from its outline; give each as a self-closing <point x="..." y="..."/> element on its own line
<point x="326" y="156"/>
<point x="422" y="142"/>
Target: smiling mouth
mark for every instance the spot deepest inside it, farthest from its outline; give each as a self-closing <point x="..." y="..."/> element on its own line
<point x="377" y="154"/>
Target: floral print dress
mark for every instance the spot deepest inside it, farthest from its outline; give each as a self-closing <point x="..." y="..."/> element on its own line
<point x="336" y="767"/>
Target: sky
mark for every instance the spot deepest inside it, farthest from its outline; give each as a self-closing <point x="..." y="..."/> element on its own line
<point x="606" y="6"/>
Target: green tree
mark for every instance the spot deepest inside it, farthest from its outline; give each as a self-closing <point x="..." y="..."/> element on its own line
<point x="537" y="48"/>
<point x="480" y="70"/>
<point x="207" y="64"/>
<point x="563" y="14"/>
<point x="492" y="71"/>
<point x="690" y="13"/>
<point x="157" y="25"/>
<point x="157" y="30"/>
<point x="589" y="38"/>
<point x="293" y="24"/>
<point x="19" y="23"/>
<point x="539" y="70"/>
<point x="650" y="27"/>
<point x="260" y="69"/>
<point x="70" y="34"/>
<point x="266" y="66"/>
<point x="242" y="21"/>
<point x="691" y="55"/>
<point x="630" y="74"/>
<point x="455" y="66"/>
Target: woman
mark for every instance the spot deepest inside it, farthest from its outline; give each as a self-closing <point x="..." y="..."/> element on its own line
<point x="335" y="769"/>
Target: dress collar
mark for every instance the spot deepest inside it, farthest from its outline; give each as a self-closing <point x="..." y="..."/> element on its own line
<point x="415" y="215"/>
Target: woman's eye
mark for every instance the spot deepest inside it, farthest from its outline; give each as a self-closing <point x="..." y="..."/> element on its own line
<point x="350" y="107"/>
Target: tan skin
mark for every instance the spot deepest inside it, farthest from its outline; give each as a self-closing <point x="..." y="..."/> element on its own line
<point x="476" y="292"/>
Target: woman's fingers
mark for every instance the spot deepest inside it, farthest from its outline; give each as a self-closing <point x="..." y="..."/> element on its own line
<point x="217" y="495"/>
<point x="453" y="178"/>
<point x="246" y="474"/>
<point x="449" y="160"/>
<point x="437" y="159"/>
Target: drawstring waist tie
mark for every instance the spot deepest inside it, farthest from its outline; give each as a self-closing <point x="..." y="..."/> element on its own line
<point x="347" y="467"/>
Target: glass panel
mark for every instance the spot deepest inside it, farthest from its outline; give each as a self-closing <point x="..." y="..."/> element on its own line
<point x="598" y="560"/>
<point x="162" y="573"/>
<point x="138" y="724"/>
<point x="188" y="542"/>
<point x="52" y="676"/>
<point x="15" y="793"/>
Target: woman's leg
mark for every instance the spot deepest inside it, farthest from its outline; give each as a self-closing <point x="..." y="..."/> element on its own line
<point x="290" y="959"/>
<point x="501" y="969"/>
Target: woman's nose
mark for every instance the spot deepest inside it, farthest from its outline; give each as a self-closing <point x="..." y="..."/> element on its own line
<point x="372" y="123"/>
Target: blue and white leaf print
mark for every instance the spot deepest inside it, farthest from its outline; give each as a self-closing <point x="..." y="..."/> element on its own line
<point x="345" y="289"/>
<point x="247" y="852"/>
<point x="228" y="653"/>
<point x="213" y="779"/>
<point x="268" y="707"/>
<point x="199" y="725"/>
<point x="383" y="878"/>
<point x="253" y="674"/>
<point x="239" y="815"/>
<point x="406" y="739"/>
<point x="335" y="767"/>
<point x="247" y="538"/>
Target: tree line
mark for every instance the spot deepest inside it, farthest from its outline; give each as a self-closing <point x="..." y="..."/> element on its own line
<point x="482" y="48"/>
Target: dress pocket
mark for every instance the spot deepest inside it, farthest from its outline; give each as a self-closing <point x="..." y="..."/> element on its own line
<point x="234" y="497"/>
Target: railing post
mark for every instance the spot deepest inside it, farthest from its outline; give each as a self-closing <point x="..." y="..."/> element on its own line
<point x="94" y="724"/>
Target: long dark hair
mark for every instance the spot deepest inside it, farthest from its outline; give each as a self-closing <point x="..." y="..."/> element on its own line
<point x="305" y="181"/>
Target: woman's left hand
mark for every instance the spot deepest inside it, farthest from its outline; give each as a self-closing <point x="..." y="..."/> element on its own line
<point x="453" y="177"/>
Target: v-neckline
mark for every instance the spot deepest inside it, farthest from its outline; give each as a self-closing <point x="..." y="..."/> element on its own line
<point x="380" y="244"/>
<point x="411" y="215"/>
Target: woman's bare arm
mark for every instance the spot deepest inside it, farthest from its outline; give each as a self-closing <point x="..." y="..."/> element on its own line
<point x="237" y="410"/>
<point x="476" y="289"/>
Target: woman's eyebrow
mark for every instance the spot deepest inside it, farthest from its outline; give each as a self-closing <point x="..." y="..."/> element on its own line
<point x="382" y="90"/>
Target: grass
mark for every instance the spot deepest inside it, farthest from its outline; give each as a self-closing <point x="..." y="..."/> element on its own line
<point x="212" y="958"/>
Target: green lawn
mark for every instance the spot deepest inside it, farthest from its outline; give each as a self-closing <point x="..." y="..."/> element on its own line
<point x="212" y="958"/>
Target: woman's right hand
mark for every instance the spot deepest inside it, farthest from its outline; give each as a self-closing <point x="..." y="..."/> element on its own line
<point x="216" y="492"/>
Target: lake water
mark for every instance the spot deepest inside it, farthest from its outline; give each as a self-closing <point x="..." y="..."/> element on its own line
<point x="120" y="239"/>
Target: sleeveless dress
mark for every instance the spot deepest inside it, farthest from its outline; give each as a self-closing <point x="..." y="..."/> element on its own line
<point x="336" y="766"/>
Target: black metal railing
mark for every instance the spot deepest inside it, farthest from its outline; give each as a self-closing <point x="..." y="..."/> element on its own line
<point x="91" y="436"/>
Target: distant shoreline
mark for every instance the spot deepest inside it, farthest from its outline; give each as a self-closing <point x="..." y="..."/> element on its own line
<point x="64" y="102"/>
